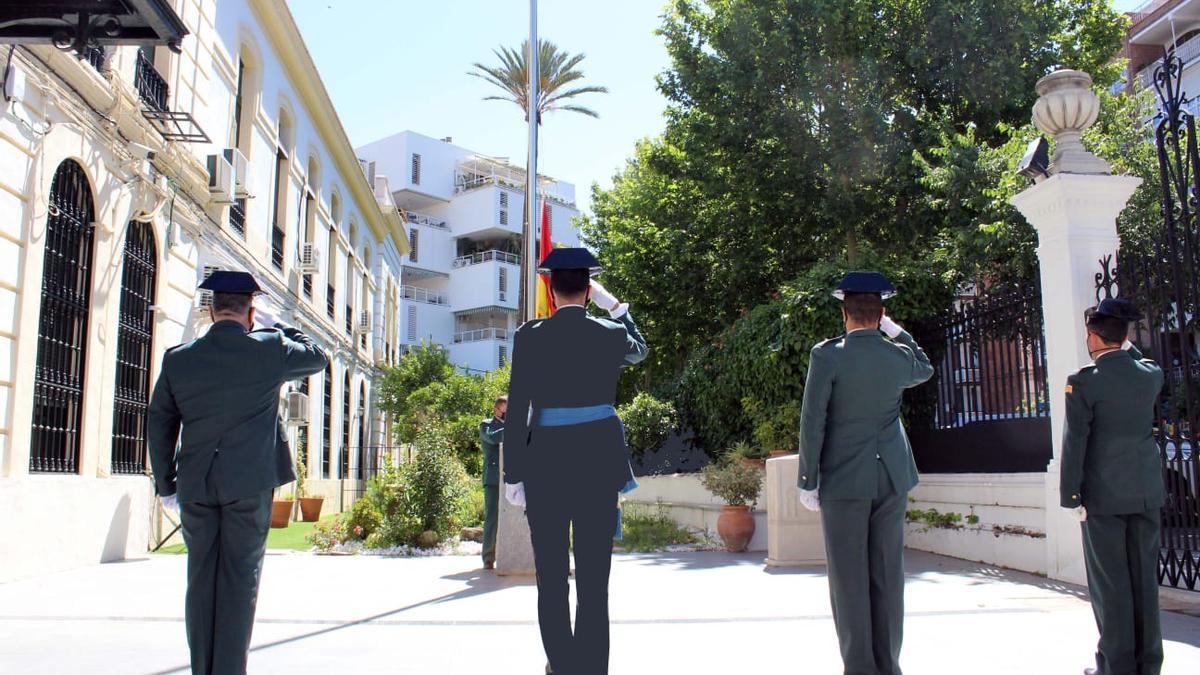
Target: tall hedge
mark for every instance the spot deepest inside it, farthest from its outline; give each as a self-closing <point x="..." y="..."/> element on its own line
<point x="764" y="354"/>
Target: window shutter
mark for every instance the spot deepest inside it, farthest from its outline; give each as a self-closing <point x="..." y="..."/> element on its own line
<point x="416" y="169"/>
<point x="412" y="244"/>
<point x="412" y="324"/>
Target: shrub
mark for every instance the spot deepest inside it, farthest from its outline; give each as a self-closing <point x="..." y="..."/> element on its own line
<point x="765" y="352"/>
<point x="471" y="513"/>
<point x="436" y="484"/>
<point x="737" y="484"/>
<point x="648" y="423"/>
<point x="643" y="530"/>
<point x="744" y="450"/>
<point x="328" y="533"/>
<point x="775" y="428"/>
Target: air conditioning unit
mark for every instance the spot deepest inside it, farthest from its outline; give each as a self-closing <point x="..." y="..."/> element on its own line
<point x="297" y="408"/>
<point x="364" y="322"/>
<point x="220" y="179"/>
<point x="205" y="298"/>
<point x="241" y="172"/>
<point x="310" y="259"/>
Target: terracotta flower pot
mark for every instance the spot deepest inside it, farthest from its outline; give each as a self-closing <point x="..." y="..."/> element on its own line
<point x="310" y="508"/>
<point x="736" y="527"/>
<point x="760" y="463"/>
<point x="281" y="513"/>
<point x="782" y="453"/>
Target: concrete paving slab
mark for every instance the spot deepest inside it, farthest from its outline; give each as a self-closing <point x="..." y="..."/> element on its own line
<point x="672" y="613"/>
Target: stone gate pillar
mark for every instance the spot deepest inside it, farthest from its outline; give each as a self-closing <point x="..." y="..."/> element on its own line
<point x="1074" y="210"/>
<point x="514" y="548"/>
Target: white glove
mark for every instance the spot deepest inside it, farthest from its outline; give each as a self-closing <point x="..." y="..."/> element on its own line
<point x="1080" y="513"/>
<point x="607" y="301"/>
<point x="891" y="328"/>
<point x="810" y="499"/>
<point x="1126" y="345"/>
<point x="264" y="318"/>
<point x="171" y="503"/>
<point x="515" y="493"/>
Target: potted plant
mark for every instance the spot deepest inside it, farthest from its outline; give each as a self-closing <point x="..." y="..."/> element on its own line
<point x="748" y="454"/>
<point x="310" y="507"/>
<point x="281" y="510"/>
<point x="738" y="485"/>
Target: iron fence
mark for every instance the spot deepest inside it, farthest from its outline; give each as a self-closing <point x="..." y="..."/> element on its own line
<point x="1158" y="272"/>
<point x="151" y="86"/>
<point x="986" y="408"/>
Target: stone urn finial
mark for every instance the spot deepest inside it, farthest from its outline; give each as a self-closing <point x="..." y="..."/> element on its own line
<point x="1066" y="106"/>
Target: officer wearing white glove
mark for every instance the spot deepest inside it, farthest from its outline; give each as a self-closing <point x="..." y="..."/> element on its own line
<point x="1080" y="513"/>
<point x="889" y="327"/>
<point x="171" y="503"/>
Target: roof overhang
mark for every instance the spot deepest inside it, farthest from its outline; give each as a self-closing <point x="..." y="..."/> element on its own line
<point x="81" y="24"/>
<point x="487" y="309"/>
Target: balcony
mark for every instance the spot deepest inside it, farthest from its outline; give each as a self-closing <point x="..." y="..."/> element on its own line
<point x="421" y="219"/>
<point x="480" y="335"/>
<point x="151" y="86"/>
<point x="95" y="56"/>
<point x="485" y="257"/>
<point x="418" y="294"/>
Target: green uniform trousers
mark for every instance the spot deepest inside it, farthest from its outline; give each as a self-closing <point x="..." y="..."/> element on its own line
<point x="491" y="514"/>
<point x="225" y="540"/>
<point x="864" y="548"/>
<point x="1121" y="553"/>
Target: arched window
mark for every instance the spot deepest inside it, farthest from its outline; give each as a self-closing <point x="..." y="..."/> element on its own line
<point x="362" y="433"/>
<point x="326" y="416"/>
<point x="346" y="425"/>
<point x="135" y="336"/>
<point x="63" y="323"/>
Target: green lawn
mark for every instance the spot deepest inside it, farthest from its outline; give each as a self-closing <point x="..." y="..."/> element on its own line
<point x="292" y="538"/>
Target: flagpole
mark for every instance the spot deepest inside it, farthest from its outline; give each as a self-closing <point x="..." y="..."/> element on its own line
<point x="529" y="272"/>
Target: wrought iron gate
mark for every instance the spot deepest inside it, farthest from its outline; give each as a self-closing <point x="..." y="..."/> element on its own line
<point x="63" y="324"/>
<point x="1159" y="272"/>
<point x="135" y="333"/>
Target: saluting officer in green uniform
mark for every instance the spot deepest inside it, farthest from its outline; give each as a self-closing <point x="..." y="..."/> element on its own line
<point x="856" y="468"/>
<point x="491" y="433"/>
<point x="218" y="397"/>
<point x="1112" y="479"/>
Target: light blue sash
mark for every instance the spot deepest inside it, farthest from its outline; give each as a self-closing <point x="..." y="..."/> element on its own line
<point x="562" y="417"/>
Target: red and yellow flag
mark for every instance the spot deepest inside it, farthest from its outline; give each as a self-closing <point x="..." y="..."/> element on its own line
<point x="545" y="301"/>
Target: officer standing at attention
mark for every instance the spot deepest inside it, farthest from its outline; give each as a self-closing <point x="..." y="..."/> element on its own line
<point x="1112" y="479"/>
<point x="221" y="392"/>
<point x="856" y="468"/>
<point x="565" y="453"/>
<point x="491" y="433"/>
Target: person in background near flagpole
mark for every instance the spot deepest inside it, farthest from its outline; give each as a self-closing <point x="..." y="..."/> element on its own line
<point x="218" y="397"/>
<point x="491" y="434"/>
<point x="856" y="468"/>
<point x="565" y="454"/>
<point x="1112" y="481"/>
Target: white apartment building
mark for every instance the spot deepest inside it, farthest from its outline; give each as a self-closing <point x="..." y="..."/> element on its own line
<point x="463" y="211"/>
<point x="125" y="177"/>
<point x="1173" y="25"/>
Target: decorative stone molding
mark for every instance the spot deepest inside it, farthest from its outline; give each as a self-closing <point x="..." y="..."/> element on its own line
<point x="1066" y="106"/>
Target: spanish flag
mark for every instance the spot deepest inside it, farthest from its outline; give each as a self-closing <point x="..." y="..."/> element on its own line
<point x="545" y="301"/>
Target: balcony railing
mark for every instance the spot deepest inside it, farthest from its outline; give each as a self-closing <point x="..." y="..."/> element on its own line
<point x="425" y="295"/>
<point x="95" y="56"/>
<point x="237" y="217"/>
<point x="1187" y="52"/>
<point x="480" y="335"/>
<point x="486" y="256"/>
<point x="1145" y="9"/>
<point x="151" y="86"/>
<point x="421" y="219"/>
<point x="277" y="238"/>
<point x="481" y="257"/>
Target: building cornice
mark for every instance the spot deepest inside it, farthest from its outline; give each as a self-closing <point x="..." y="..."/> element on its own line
<point x="280" y="28"/>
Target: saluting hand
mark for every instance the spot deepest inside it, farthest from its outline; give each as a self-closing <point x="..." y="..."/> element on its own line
<point x="891" y="328"/>
<point x="605" y="300"/>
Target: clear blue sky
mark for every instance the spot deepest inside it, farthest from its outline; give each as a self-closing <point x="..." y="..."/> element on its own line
<point x="391" y="65"/>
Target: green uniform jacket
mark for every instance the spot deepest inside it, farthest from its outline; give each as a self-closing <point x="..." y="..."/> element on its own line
<point x="491" y="433"/>
<point x="851" y="414"/>
<point x="1110" y="461"/>
<point x="223" y="390"/>
<point x="569" y="360"/>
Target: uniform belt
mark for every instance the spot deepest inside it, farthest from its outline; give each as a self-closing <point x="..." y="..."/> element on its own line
<point x="561" y="417"/>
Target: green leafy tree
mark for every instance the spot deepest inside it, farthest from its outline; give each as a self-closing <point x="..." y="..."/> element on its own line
<point x="419" y="367"/>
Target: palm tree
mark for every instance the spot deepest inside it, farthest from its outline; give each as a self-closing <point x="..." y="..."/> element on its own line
<point x="557" y="69"/>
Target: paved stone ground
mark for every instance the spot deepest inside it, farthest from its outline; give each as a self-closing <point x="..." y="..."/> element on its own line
<point x="695" y="613"/>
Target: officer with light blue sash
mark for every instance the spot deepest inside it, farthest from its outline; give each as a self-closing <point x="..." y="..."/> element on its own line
<point x="565" y="457"/>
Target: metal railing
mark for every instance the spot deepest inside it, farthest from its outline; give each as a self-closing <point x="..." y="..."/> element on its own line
<point x="480" y="335"/>
<point x="277" y="238"/>
<point x="989" y="357"/>
<point x="151" y="86"/>
<point x="425" y="295"/>
<point x="1187" y="52"/>
<point x="1145" y="9"/>
<point x="95" y="56"/>
<point x="422" y="219"/>
<point x="237" y="217"/>
<point x="486" y="256"/>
